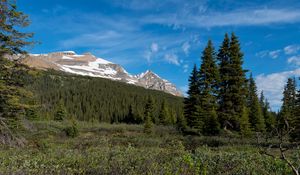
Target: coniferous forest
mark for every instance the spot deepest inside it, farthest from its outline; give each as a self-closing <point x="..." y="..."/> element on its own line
<point x="59" y="123"/>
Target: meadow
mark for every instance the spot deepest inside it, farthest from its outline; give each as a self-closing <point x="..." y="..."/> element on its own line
<point x="101" y="148"/>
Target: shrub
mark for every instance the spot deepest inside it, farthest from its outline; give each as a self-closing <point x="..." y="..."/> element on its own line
<point x="72" y="131"/>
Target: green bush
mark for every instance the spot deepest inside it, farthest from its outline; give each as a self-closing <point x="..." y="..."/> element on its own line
<point x="72" y="131"/>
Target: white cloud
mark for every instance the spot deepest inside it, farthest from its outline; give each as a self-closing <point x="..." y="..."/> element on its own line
<point x="273" y="84"/>
<point x="274" y="54"/>
<point x="154" y="47"/>
<point x="151" y="52"/>
<point x="240" y="17"/>
<point x="172" y="58"/>
<point x="262" y="54"/>
<point x="291" y="49"/>
<point x="148" y="56"/>
<point x="294" y="60"/>
<point x="185" y="68"/>
<point x="186" y="48"/>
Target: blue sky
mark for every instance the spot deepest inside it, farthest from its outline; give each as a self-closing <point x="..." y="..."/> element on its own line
<point x="168" y="36"/>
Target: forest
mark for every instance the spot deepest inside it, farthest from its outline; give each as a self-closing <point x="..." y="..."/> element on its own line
<point x="58" y="123"/>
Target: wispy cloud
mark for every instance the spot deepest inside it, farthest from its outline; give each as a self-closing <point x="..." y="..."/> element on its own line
<point x="291" y="49"/>
<point x="186" y="48"/>
<point x="273" y="84"/>
<point x="240" y="17"/>
<point x="185" y="68"/>
<point x="295" y="60"/>
<point x="266" y="53"/>
<point x="172" y="58"/>
<point x="274" y="54"/>
<point x="151" y="52"/>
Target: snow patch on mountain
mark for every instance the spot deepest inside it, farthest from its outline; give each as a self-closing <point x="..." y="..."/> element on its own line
<point x="89" y="65"/>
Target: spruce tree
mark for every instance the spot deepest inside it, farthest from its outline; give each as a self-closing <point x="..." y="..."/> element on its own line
<point x="212" y="125"/>
<point x="149" y="110"/>
<point x="130" y="118"/>
<point x="296" y="123"/>
<point x="61" y="112"/>
<point x="237" y="80"/>
<point x="164" y="114"/>
<point x="225" y="111"/>
<point x="11" y="20"/>
<point x="232" y="86"/>
<point x="287" y="113"/>
<point x="148" y="125"/>
<point x="244" y="123"/>
<point x="256" y="117"/>
<point x="191" y="102"/>
<point x="266" y="111"/>
<point x="181" y="124"/>
<point x="208" y="86"/>
<point x="11" y="74"/>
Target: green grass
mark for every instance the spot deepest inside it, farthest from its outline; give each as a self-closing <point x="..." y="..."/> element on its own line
<point x="125" y="149"/>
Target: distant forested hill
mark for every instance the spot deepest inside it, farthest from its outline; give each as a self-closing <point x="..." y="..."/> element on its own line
<point x="97" y="99"/>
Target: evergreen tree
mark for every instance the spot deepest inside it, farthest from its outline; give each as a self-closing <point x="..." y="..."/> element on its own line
<point x="191" y="103"/>
<point x="212" y="125"/>
<point x="164" y="114"/>
<point x="266" y="111"/>
<point x="225" y="111"/>
<point x="149" y="110"/>
<point x="244" y="123"/>
<point x="256" y="117"/>
<point x="12" y="75"/>
<point x="262" y="100"/>
<point x="130" y="118"/>
<point x="61" y="112"/>
<point x="148" y="125"/>
<point x="296" y="123"/>
<point x="181" y="124"/>
<point x="237" y="80"/>
<point x="232" y="92"/>
<point x="287" y="113"/>
<point x="11" y="20"/>
<point x="208" y="86"/>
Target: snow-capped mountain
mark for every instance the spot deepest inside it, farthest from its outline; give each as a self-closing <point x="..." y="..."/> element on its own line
<point x="89" y="65"/>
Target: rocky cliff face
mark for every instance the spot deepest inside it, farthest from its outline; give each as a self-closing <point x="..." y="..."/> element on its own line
<point x="89" y="65"/>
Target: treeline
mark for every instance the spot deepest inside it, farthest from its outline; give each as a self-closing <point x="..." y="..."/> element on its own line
<point x="220" y="95"/>
<point x="103" y="100"/>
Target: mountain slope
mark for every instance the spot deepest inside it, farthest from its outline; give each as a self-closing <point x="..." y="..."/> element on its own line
<point x="89" y="65"/>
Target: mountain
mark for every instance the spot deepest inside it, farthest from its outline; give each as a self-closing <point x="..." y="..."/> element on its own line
<point x="89" y="65"/>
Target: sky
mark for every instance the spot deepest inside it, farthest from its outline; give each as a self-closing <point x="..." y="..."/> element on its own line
<point x="168" y="36"/>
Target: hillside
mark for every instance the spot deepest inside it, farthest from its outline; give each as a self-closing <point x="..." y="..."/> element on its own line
<point x="89" y="98"/>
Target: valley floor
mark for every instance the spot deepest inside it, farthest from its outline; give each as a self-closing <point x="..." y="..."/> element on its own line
<point x="125" y="149"/>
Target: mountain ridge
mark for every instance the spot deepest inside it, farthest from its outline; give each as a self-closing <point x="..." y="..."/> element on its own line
<point x="90" y="65"/>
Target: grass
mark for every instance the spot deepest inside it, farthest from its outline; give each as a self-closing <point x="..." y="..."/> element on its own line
<point x="104" y="148"/>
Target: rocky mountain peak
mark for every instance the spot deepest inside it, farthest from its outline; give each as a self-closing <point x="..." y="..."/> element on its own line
<point x="89" y="65"/>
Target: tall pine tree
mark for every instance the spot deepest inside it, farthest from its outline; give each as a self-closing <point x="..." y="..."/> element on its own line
<point x="237" y="80"/>
<point x="287" y="113"/>
<point x="256" y="117"/>
<point x="11" y="20"/>
<point x="208" y="86"/>
<point x="164" y="114"/>
<point x="232" y="97"/>
<point x="226" y="110"/>
<point x="192" y="102"/>
<point x="266" y="111"/>
<point x="296" y="123"/>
